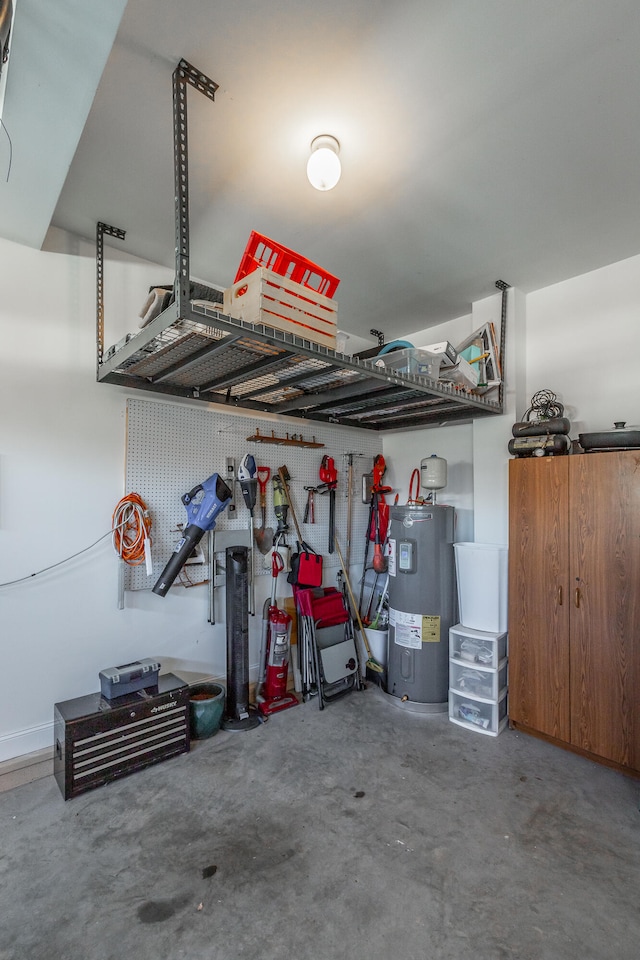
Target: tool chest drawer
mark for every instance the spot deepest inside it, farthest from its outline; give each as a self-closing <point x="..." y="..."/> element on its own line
<point x="98" y="740"/>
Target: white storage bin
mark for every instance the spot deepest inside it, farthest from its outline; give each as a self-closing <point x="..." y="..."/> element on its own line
<point x="462" y="373"/>
<point x="378" y="640"/>
<point x="412" y="360"/>
<point x="470" y="679"/>
<point x="478" y="715"/>
<point x="481" y="572"/>
<point x="477" y="647"/>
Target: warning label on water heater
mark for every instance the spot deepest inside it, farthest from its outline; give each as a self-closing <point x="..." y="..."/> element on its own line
<point x="414" y="629"/>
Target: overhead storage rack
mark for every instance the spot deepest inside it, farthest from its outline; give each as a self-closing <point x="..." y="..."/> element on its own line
<point x="193" y="350"/>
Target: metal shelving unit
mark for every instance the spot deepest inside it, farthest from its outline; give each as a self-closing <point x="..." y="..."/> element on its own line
<point x="193" y="350"/>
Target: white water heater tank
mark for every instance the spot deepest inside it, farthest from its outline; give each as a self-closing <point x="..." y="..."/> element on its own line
<point x="433" y="472"/>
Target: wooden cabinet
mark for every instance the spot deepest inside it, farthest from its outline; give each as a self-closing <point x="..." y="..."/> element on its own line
<point x="574" y="602"/>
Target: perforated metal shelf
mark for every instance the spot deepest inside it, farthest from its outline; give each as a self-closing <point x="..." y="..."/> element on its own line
<point x="208" y="356"/>
<point x="192" y="350"/>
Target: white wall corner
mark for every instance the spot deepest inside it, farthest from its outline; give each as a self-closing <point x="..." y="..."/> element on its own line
<point x="491" y="435"/>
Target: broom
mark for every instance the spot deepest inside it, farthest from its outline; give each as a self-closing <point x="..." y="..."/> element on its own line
<point x="372" y="663"/>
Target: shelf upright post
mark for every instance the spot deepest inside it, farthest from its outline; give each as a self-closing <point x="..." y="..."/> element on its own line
<point x="503" y="287"/>
<point x="184" y="75"/>
<point x="101" y="229"/>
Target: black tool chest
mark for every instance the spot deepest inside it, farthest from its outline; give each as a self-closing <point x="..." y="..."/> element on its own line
<point x="98" y="740"/>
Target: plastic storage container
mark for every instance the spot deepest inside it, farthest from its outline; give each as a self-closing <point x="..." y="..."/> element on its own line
<point x="475" y="681"/>
<point x="481" y="570"/>
<point x="462" y="373"/>
<point x="412" y="360"/>
<point x="263" y="252"/>
<point x="488" y="717"/>
<point x="477" y="647"/>
<point x="378" y="641"/>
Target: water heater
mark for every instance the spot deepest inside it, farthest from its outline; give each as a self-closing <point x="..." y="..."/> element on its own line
<point x="422" y="604"/>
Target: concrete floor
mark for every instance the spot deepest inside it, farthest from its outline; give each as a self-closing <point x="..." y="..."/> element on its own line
<point x="359" y="832"/>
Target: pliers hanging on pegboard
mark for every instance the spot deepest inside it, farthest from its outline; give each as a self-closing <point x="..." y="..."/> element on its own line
<point x="309" y="510"/>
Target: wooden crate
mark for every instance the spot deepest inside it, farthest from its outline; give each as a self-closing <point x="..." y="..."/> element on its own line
<point x="266" y="297"/>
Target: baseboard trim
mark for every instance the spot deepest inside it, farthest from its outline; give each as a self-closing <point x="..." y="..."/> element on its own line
<point x="21" y="743"/>
<point x="26" y="769"/>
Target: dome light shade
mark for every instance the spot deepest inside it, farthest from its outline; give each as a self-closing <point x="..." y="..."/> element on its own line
<point x="323" y="166"/>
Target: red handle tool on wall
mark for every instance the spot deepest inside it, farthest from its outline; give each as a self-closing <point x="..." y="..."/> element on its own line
<point x="329" y="478"/>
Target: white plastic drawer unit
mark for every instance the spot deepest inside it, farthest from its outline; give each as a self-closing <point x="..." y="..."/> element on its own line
<point x="477" y="646"/>
<point x="482" y="716"/>
<point x="473" y="680"/>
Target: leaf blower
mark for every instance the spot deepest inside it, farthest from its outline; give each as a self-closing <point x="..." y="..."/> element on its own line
<point x="203" y="504"/>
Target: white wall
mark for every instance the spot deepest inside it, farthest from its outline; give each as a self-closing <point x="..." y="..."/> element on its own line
<point x="61" y="475"/>
<point x="403" y="452"/>
<point x="583" y="342"/>
<point x="491" y="434"/>
<point x="579" y="338"/>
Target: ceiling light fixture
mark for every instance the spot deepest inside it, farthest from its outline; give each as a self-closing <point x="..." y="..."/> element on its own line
<point x="323" y="166"/>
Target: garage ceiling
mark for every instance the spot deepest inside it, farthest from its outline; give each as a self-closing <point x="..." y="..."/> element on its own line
<point x="478" y="140"/>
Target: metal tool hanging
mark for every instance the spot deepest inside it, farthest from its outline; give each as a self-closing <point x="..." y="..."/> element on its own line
<point x="249" y="485"/>
<point x="349" y="507"/>
<point x="310" y="509"/>
<point x="285" y="476"/>
<point x="329" y="482"/>
<point x="281" y="510"/>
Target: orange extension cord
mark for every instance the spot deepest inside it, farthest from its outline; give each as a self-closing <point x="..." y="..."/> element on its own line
<point x="131" y="526"/>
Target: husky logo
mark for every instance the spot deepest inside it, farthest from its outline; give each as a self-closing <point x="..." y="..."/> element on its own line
<point x="164" y="706"/>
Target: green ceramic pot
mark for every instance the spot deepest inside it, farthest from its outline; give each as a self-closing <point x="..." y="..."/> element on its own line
<point x="206" y="706"/>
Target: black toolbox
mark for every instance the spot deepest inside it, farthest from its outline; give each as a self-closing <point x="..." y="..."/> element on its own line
<point x="99" y="740"/>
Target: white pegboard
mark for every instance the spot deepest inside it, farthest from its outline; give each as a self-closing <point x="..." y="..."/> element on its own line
<point x="172" y="447"/>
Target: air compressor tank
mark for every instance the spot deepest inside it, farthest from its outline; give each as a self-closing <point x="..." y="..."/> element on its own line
<point x="422" y="605"/>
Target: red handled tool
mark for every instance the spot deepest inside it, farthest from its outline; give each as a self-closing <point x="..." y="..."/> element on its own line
<point x="264" y="475"/>
<point x="310" y="509"/>
<point x="329" y="478"/>
<point x="378" y="506"/>
<point x="376" y="528"/>
<point x="263" y="535"/>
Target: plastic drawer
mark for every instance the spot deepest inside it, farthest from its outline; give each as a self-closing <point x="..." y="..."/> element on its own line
<point x="482" y="716"/>
<point x="477" y="646"/>
<point x="473" y="680"/>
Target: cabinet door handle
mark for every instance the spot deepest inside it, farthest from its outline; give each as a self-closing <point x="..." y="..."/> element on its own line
<point x="560" y="595"/>
<point x="577" y="596"/>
